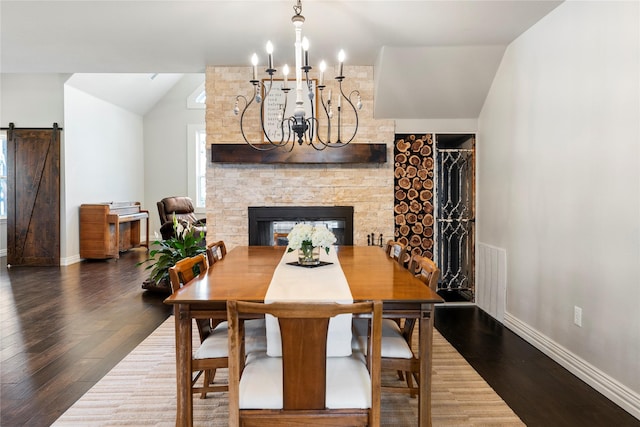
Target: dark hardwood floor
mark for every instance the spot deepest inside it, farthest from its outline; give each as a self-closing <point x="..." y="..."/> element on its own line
<point x="63" y="328"/>
<point x="538" y="389"/>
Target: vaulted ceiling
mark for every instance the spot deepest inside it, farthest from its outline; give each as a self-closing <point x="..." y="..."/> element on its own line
<point x="432" y="59"/>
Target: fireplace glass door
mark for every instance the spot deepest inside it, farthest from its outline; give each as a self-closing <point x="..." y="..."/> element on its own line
<point x="281" y="230"/>
<point x="270" y="225"/>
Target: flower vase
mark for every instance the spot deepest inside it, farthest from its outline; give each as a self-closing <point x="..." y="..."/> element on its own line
<point x="308" y="255"/>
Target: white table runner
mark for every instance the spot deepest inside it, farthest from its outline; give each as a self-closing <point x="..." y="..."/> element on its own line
<point x="324" y="283"/>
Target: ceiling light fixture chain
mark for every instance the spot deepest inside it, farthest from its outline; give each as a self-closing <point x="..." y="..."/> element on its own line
<point x="298" y="126"/>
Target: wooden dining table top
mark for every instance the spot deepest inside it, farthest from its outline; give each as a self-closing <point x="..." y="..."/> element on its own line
<point x="246" y="271"/>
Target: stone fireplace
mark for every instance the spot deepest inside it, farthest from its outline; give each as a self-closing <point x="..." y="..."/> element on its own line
<point x="269" y="226"/>
<point x="233" y="188"/>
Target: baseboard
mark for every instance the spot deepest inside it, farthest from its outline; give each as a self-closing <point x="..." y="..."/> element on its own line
<point x="63" y="261"/>
<point x="457" y="304"/>
<point x="618" y="393"/>
<point x="70" y="260"/>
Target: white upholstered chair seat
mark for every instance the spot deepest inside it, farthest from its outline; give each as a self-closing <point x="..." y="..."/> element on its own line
<point x="393" y="343"/>
<point x="217" y="343"/>
<point x="348" y="382"/>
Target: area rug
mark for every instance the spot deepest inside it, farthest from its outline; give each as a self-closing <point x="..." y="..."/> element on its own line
<point x="141" y="391"/>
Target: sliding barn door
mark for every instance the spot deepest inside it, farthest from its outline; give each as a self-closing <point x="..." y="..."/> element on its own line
<point x="33" y="196"/>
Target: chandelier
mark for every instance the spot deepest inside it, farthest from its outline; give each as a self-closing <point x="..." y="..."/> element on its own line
<point x="280" y="131"/>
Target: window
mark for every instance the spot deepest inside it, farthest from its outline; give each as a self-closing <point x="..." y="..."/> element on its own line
<point x="197" y="170"/>
<point x="201" y="98"/>
<point x="197" y="99"/>
<point x="3" y="174"/>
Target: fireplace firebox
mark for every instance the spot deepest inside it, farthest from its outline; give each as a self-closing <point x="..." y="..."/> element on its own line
<point x="269" y="225"/>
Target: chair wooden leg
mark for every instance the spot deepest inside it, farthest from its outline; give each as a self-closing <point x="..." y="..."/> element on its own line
<point x="209" y="376"/>
<point x="414" y="391"/>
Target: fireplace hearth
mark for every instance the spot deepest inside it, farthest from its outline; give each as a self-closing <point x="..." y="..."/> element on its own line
<point x="269" y="225"/>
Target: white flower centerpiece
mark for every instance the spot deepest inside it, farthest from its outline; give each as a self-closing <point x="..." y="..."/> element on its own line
<point x="308" y="240"/>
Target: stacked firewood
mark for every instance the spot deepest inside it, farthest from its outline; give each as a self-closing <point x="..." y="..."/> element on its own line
<point x="414" y="187"/>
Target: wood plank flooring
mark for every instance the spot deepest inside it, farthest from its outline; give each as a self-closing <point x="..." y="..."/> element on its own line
<point x="63" y="328"/>
<point x="540" y="391"/>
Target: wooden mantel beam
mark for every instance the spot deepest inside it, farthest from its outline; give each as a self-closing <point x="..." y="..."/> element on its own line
<point x="352" y="153"/>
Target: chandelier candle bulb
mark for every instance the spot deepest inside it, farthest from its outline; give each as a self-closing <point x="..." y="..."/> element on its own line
<point x="341" y="56"/>
<point x="305" y="47"/>
<point x="323" y="66"/>
<point x="270" y="53"/>
<point x="254" y="61"/>
<point x="285" y="71"/>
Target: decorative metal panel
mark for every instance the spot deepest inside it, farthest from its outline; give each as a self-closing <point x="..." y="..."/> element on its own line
<point x="455" y="217"/>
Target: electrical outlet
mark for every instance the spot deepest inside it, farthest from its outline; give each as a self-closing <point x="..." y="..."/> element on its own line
<point x="577" y="315"/>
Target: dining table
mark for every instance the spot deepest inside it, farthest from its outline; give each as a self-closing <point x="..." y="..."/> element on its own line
<point x="246" y="273"/>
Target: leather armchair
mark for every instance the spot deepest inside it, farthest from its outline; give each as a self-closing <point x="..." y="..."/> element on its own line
<point x="183" y="209"/>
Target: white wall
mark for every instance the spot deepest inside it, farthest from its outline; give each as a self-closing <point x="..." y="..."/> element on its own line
<point x="165" y="142"/>
<point x="104" y="158"/>
<point x="559" y="189"/>
<point x="436" y="125"/>
<point x="33" y="100"/>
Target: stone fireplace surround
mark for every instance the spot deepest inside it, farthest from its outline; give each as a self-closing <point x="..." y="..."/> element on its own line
<point x="232" y="188"/>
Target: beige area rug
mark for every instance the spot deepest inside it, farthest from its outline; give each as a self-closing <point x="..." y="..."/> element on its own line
<point x="141" y="391"/>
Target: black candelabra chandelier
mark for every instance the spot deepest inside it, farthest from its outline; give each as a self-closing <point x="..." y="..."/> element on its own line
<point x="282" y="132"/>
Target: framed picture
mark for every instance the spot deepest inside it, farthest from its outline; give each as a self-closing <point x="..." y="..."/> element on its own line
<point x="274" y="103"/>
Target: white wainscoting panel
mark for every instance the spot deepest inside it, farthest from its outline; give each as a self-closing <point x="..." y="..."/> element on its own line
<point x="491" y="280"/>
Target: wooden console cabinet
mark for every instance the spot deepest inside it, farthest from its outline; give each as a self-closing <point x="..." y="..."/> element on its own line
<point x="106" y="229"/>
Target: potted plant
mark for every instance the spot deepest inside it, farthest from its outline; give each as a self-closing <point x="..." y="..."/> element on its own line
<point x="185" y="243"/>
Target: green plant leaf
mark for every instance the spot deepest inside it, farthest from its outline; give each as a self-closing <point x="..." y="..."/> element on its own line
<point x="185" y="243"/>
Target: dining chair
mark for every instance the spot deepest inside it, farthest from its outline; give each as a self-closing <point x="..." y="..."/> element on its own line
<point x="212" y="353"/>
<point x="397" y="251"/>
<point x="216" y="251"/>
<point x="397" y="353"/>
<point x="428" y="272"/>
<point x="214" y="343"/>
<point x="304" y="387"/>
